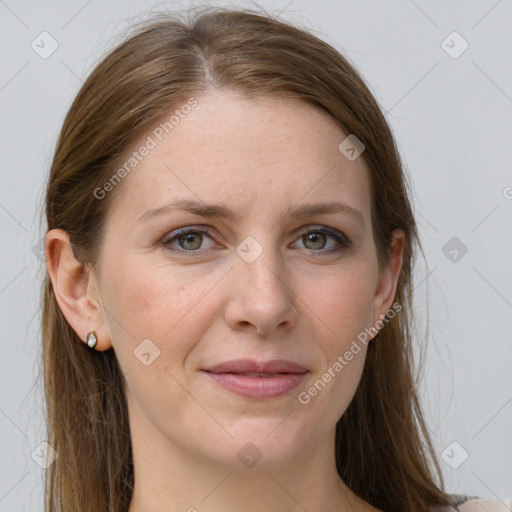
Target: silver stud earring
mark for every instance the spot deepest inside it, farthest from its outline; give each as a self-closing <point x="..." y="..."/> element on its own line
<point x="92" y="339"/>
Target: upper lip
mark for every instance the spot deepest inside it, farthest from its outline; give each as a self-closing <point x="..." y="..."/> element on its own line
<point x="251" y="366"/>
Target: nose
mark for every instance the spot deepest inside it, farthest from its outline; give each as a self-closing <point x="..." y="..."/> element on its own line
<point x="261" y="296"/>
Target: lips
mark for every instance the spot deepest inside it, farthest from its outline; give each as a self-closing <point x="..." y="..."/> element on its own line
<point x="257" y="380"/>
<point x="276" y="366"/>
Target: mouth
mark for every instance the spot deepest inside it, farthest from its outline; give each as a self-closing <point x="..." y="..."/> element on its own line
<point x="257" y="380"/>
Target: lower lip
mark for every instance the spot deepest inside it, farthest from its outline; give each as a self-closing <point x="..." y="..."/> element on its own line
<point x="258" y="387"/>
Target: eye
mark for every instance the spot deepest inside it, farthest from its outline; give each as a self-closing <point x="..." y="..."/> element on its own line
<point x="317" y="239"/>
<point x="188" y="239"/>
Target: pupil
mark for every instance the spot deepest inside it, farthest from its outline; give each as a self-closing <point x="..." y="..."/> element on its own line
<point x="314" y="238"/>
<point x="189" y="238"/>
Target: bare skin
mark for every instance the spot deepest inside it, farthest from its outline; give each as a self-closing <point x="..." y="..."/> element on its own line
<point x="303" y="298"/>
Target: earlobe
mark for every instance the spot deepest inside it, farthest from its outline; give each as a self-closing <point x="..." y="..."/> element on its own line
<point x="75" y="289"/>
<point x="388" y="278"/>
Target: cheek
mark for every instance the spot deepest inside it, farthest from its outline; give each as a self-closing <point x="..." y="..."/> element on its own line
<point x="330" y="391"/>
<point x="342" y="302"/>
<point x="167" y="307"/>
<point x="159" y="303"/>
<point x="146" y="298"/>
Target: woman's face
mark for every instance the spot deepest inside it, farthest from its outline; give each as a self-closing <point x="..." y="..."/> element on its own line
<point x="267" y="282"/>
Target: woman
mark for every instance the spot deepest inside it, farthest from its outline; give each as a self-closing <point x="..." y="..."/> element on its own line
<point x="227" y="309"/>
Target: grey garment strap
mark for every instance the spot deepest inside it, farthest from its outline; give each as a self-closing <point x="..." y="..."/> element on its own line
<point x="459" y="499"/>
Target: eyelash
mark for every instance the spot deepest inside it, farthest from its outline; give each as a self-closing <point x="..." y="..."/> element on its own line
<point x="340" y="238"/>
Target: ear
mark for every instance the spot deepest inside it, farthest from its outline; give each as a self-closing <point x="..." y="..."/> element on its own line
<point x="76" y="289"/>
<point x="388" y="277"/>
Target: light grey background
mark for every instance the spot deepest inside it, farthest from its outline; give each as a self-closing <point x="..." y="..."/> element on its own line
<point x="452" y="120"/>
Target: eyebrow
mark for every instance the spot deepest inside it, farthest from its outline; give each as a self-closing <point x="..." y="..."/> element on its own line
<point x="223" y="212"/>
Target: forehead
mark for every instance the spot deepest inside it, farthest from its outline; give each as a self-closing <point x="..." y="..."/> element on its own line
<point x="265" y="152"/>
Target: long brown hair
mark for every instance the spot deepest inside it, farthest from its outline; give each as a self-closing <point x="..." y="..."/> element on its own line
<point x="383" y="450"/>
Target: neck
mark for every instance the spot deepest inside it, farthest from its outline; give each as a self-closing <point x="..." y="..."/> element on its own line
<point x="170" y="478"/>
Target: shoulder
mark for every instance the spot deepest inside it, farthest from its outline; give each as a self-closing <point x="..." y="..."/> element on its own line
<point x="473" y="505"/>
<point x="483" y="505"/>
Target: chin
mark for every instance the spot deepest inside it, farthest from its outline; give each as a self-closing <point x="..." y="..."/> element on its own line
<point x="261" y="442"/>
